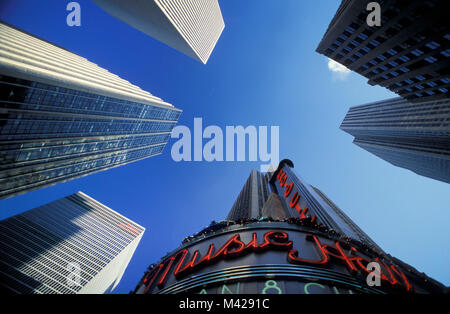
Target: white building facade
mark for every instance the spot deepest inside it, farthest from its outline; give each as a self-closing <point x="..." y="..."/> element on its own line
<point x="191" y="27"/>
<point x="74" y="245"/>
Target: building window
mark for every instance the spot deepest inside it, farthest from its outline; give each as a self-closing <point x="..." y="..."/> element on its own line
<point x="404" y="58"/>
<point x="433" y="45"/>
<point x="392" y="52"/>
<point x="362" y="36"/>
<point x="446" y="53"/>
<point x="393" y="63"/>
<point x="350" y="29"/>
<point x="417" y="52"/>
<point x="431" y="59"/>
<point x="343" y="37"/>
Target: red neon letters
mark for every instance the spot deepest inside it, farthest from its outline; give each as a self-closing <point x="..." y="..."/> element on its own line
<point x="234" y="247"/>
<point x="276" y="240"/>
<point x="294" y="203"/>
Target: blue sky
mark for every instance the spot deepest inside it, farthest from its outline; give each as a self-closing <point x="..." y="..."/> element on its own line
<point x="263" y="71"/>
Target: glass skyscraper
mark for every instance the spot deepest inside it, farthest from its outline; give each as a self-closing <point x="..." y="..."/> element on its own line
<point x="408" y="54"/>
<point x="191" y="27"/>
<point x="63" y="117"/>
<point x="297" y="242"/>
<point x="414" y="136"/>
<point x="72" y="245"/>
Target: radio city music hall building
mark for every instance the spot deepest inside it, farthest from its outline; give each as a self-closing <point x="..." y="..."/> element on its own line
<point x="282" y="236"/>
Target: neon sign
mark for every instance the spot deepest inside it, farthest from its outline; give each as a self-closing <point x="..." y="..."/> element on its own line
<point x="234" y="247"/>
<point x="295" y="200"/>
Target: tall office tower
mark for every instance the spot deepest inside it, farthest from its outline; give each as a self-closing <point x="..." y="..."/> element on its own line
<point x="252" y="198"/>
<point x="72" y="245"/>
<point x="300" y="242"/>
<point x="191" y="27"/>
<point x="414" y="136"/>
<point x="63" y="117"/>
<point x="408" y="54"/>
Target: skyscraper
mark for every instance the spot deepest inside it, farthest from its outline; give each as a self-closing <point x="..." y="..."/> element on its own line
<point x="414" y="136"/>
<point x="252" y="198"/>
<point x="63" y="117"/>
<point x="408" y="54"/>
<point x="191" y="27"/>
<point x="300" y="242"/>
<point x="72" y="245"/>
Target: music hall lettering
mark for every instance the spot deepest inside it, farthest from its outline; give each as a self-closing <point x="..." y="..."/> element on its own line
<point x="180" y="265"/>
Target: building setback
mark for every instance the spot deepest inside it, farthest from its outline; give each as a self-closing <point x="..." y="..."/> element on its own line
<point x="299" y="242"/>
<point x="191" y="27"/>
<point x="414" y="136"/>
<point x="63" y="117"/>
<point x="72" y="245"/>
<point x="408" y="54"/>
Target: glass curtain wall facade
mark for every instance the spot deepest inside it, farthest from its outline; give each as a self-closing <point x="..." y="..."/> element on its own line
<point x="72" y="245"/>
<point x="63" y="117"/>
